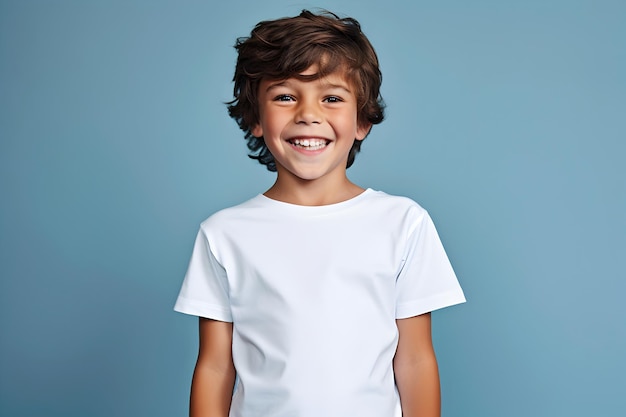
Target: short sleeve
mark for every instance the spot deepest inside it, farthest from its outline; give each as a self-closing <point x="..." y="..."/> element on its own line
<point x="426" y="281"/>
<point x="205" y="290"/>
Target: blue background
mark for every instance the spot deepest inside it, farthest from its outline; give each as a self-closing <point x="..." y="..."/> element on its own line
<point x="506" y="120"/>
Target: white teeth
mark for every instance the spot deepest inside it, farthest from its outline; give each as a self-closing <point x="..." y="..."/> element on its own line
<point x="312" y="144"/>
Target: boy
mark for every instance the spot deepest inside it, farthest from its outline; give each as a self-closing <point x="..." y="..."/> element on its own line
<point x="314" y="298"/>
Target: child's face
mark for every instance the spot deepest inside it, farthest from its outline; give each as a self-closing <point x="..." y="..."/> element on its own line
<point x="309" y="126"/>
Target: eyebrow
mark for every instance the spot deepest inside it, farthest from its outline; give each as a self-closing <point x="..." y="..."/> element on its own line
<point x="285" y="83"/>
<point x="339" y="86"/>
<point x="276" y="84"/>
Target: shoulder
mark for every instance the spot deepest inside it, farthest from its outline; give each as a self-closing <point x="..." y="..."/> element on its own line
<point x="225" y="217"/>
<point x="396" y="204"/>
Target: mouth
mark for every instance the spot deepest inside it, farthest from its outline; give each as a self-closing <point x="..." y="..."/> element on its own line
<point x="311" y="144"/>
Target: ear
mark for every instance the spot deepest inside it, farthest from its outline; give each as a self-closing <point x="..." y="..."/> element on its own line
<point x="257" y="130"/>
<point x="362" y="131"/>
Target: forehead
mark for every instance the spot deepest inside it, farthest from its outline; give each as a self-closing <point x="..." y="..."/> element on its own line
<point x="338" y="78"/>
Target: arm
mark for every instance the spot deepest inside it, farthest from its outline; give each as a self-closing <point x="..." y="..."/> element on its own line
<point x="214" y="375"/>
<point x="415" y="368"/>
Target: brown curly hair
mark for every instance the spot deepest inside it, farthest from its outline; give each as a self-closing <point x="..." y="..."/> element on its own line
<point x="286" y="47"/>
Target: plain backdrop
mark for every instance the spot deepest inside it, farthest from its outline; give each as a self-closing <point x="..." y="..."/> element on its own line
<point x="506" y="120"/>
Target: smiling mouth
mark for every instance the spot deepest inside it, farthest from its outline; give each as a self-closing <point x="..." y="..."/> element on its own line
<point x="309" y="144"/>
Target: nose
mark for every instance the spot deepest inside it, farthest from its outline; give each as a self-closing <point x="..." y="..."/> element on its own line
<point x="308" y="112"/>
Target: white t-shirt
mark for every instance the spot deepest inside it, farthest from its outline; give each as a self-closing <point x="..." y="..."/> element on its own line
<point x="314" y="293"/>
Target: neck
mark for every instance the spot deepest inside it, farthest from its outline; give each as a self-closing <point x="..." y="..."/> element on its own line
<point x="312" y="193"/>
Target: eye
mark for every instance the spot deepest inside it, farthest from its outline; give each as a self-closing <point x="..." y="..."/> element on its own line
<point x="284" y="97"/>
<point x="333" y="99"/>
